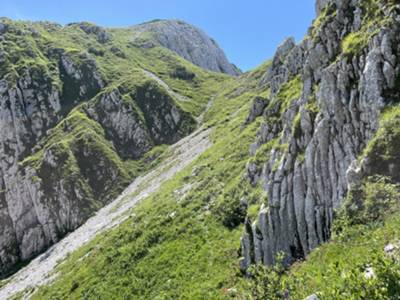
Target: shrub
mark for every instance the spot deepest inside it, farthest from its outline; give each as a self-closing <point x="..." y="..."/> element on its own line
<point x="375" y="199"/>
<point x="269" y="282"/>
<point x="182" y="73"/>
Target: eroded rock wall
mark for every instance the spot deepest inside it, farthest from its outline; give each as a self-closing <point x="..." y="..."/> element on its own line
<point x="322" y="132"/>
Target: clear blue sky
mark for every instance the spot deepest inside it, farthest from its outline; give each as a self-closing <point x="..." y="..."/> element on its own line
<point x="248" y="30"/>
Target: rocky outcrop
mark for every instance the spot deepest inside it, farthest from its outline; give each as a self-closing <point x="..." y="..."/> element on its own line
<point x="81" y="80"/>
<point x="123" y="125"/>
<point x="101" y="34"/>
<point x="155" y="118"/>
<point x="19" y="134"/>
<point x="189" y="42"/>
<point x="257" y="109"/>
<point x="322" y="131"/>
<point x="280" y="73"/>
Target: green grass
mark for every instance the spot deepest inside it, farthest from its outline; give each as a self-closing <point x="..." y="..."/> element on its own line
<point x="289" y="92"/>
<point x="382" y="150"/>
<point x="385" y="143"/>
<point x="3" y="282"/>
<point x="264" y="152"/>
<point x="355" y="42"/>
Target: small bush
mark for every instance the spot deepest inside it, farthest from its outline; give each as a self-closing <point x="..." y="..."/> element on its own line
<point x="230" y="209"/>
<point x="269" y="282"/>
<point x="375" y="199"/>
<point x="183" y="74"/>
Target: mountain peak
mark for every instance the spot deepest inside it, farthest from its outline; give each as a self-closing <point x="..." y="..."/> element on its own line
<point x="189" y="42"/>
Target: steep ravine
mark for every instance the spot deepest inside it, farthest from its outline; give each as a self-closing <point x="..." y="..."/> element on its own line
<point x="41" y="270"/>
<point x="327" y="95"/>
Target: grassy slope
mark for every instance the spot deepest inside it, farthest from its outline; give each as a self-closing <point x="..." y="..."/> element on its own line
<point x="33" y="46"/>
<point x="183" y="247"/>
<point x="175" y="246"/>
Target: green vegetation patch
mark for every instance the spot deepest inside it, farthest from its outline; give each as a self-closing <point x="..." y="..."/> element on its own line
<point x="289" y="92"/>
<point x="382" y="151"/>
<point x="72" y="145"/>
<point x="355" y="42"/>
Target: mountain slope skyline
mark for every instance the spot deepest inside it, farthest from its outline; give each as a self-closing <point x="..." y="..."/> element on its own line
<point x="139" y="163"/>
<point x="248" y="32"/>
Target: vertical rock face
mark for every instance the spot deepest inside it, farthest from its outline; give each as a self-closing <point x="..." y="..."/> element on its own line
<point x="29" y="107"/>
<point x="20" y="106"/>
<point x="189" y="42"/>
<point x="116" y="116"/>
<point x="345" y="84"/>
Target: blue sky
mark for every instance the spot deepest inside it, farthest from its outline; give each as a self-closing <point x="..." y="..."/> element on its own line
<point x="248" y="30"/>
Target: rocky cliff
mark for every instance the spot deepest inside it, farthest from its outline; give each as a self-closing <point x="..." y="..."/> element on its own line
<point x="326" y="98"/>
<point x="77" y="114"/>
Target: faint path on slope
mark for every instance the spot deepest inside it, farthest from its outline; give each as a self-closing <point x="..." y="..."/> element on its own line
<point x="39" y="271"/>
<point x="166" y="86"/>
<point x="200" y="119"/>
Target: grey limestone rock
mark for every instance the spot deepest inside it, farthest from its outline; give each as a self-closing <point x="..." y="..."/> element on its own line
<point x="189" y="42"/>
<point x="50" y="189"/>
<point x="257" y="109"/>
<point x="101" y="34"/>
<point x="3" y="28"/>
<point x="310" y="179"/>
